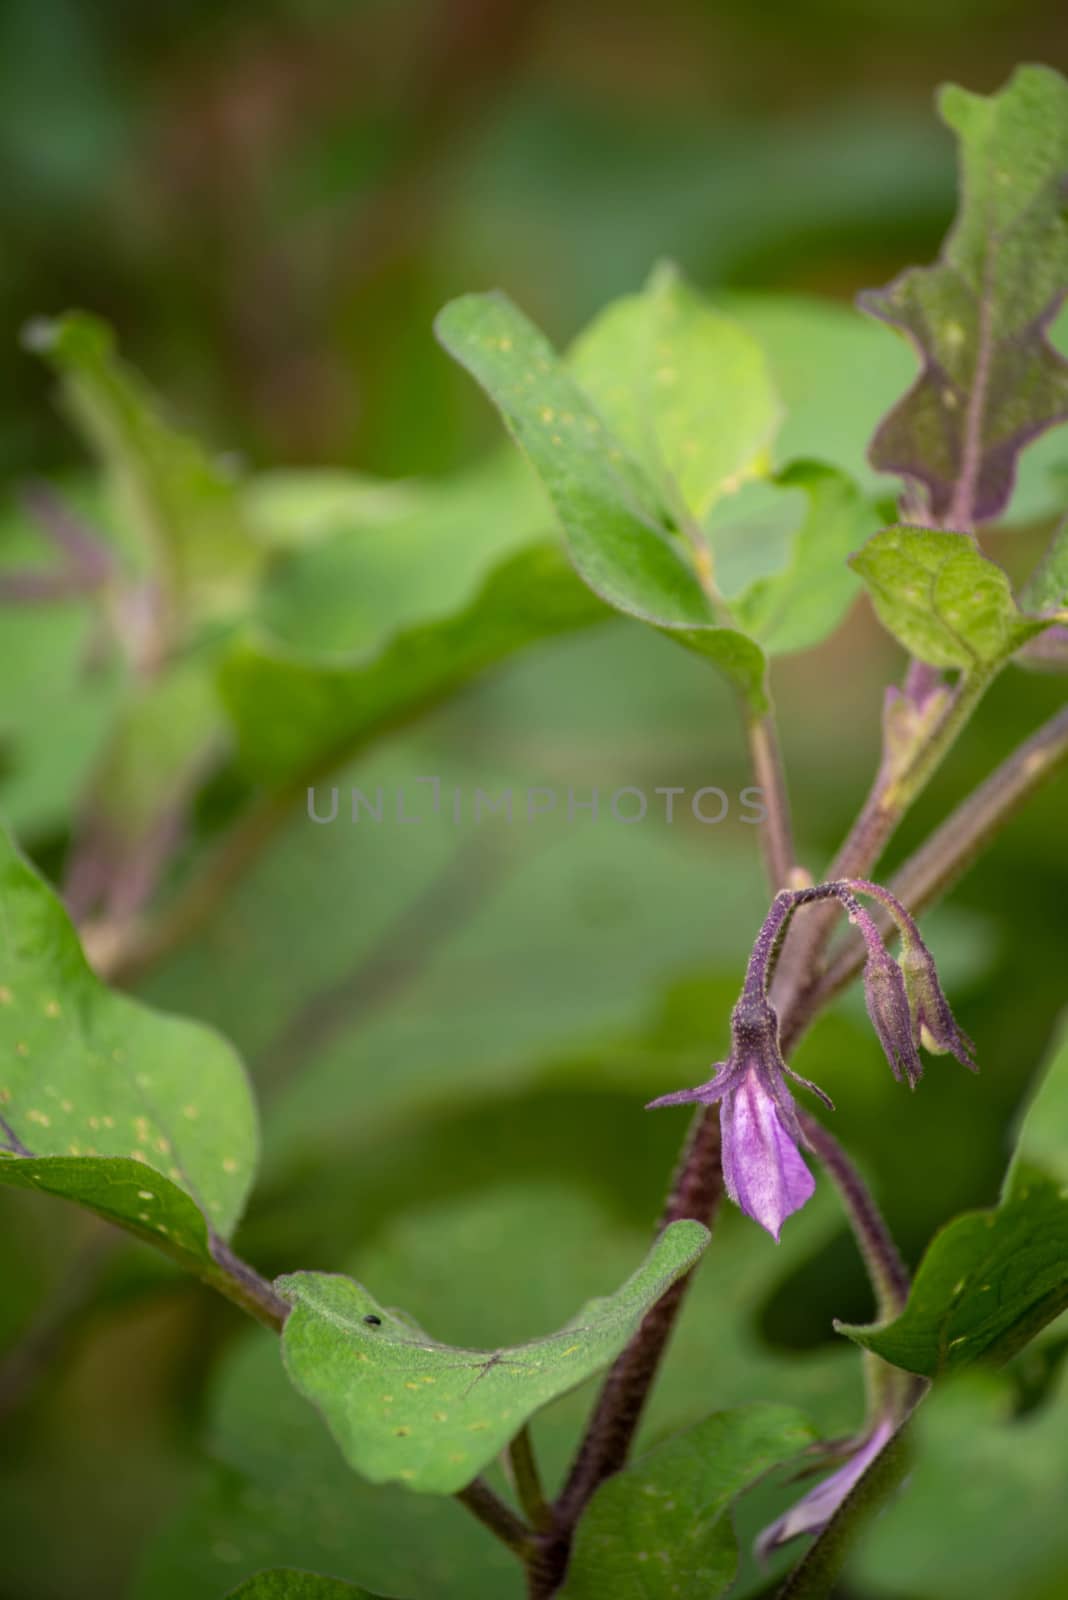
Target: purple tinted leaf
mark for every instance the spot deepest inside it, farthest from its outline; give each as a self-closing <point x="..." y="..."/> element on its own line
<point x="990" y="381"/>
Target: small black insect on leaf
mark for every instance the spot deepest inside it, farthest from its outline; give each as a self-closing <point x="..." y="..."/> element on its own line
<point x="372" y="1321"/>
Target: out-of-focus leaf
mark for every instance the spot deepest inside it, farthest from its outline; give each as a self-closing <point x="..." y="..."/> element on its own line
<point x="294" y="509"/>
<point x="838" y="373"/>
<point x="1047" y="589"/>
<point x="406" y="1409"/>
<point x="420" y="557"/>
<point x="610" y="510"/>
<point x="285" y="1583"/>
<point x="143" y="1118"/>
<point x="293" y="713"/>
<point x="979" y="318"/>
<point x="164" y="739"/>
<point x="801" y="604"/>
<point x="993" y="1279"/>
<point x="751" y="533"/>
<point x="686" y="391"/>
<point x="55" y="702"/>
<point x="180" y="509"/>
<point x="662" y="1527"/>
<point x="982" y="1510"/>
<point x="277" y="1493"/>
<point x="1042" y="1139"/>
<point x="942" y="598"/>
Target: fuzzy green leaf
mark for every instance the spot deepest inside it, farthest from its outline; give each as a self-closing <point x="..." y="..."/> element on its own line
<point x="143" y="1118"/>
<point x="406" y="1409"/>
<point x="991" y="382"/>
<point x="1046" y="592"/>
<point x="293" y="712"/>
<point x="686" y="390"/>
<point x="610" y="509"/>
<point x="991" y="1280"/>
<point x="180" y="509"/>
<point x="802" y="603"/>
<point x="942" y="598"/>
<point x="662" y="1527"/>
<point x="284" y="1583"/>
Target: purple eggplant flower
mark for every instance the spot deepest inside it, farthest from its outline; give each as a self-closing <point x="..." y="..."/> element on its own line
<point x="763" y="1171"/>
<point x="887" y="1000"/>
<point x="884" y="987"/>
<point x="906" y="1002"/>
<point x="812" y="1513"/>
<point x="933" y="1023"/>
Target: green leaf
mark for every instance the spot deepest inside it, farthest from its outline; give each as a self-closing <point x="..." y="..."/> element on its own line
<point x="1047" y="589"/>
<point x="991" y="1280"/>
<point x="143" y="1118"/>
<point x="942" y="598"/>
<point x="293" y="713"/>
<point x="662" y="1527"/>
<point x="180" y="508"/>
<point x="988" y="1283"/>
<point x="990" y="382"/>
<point x="54" y="711"/>
<point x="687" y="391"/>
<point x="406" y="1409"/>
<point x="801" y="604"/>
<point x="251" y="1509"/>
<point x="167" y="735"/>
<point x="609" y="508"/>
<point x="838" y="373"/>
<point x="285" y="1583"/>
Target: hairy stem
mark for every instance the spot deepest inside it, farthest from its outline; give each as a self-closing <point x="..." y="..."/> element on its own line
<point x="945" y="856"/>
<point x="527" y="1478"/>
<point x="244" y="1286"/>
<point x="889" y="1277"/>
<point x="695" y="1192"/>
<point x="776" y="831"/>
<point x="500" y="1519"/>
<point x="896" y="787"/>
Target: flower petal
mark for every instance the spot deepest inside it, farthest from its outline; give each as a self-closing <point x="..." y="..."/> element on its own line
<point x="762" y="1167"/>
<point x="815" y="1510"/>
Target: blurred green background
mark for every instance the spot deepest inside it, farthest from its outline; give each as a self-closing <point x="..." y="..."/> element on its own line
<point x="453" y="1034"/>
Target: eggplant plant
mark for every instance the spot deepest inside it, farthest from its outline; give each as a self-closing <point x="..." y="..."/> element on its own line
<point x="245" y="658"/>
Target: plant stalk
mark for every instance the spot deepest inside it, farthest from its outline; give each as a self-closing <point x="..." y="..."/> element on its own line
<point x="776" y="831"/>
<point x="945" y="856"/>
<point x="896" y="787"/>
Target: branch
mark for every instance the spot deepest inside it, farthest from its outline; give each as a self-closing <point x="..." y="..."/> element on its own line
<point x="945" y="856"/>
<point x="527" y="1480"/>
<point x="776" y="832"/>
<point x="896" y="787"/>
<point x="493" y="1514"/>
<point x="888" y="1274"/>
<point x="695" y="1192"/>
